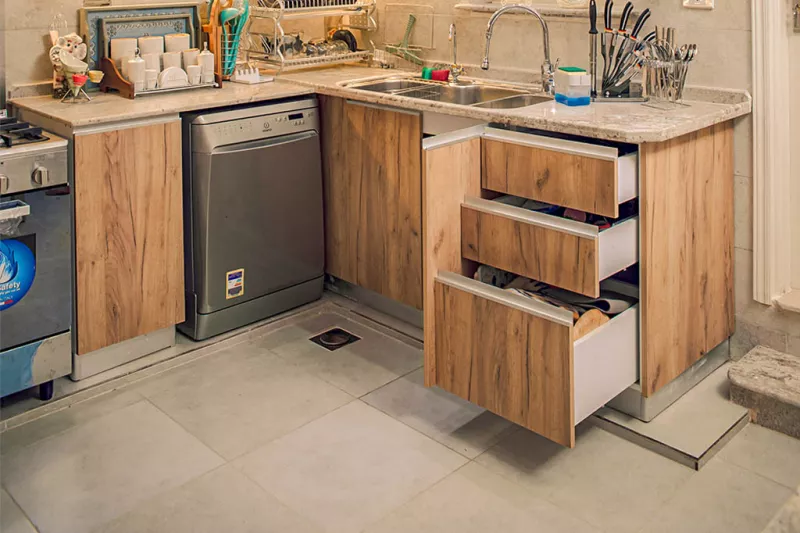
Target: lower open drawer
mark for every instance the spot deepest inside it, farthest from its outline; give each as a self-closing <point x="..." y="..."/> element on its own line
<point x="516" y="357"/>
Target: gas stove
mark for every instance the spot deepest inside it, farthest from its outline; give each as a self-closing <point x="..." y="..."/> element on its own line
<point x="30" y="158"/>
<point x="35" y="258"/>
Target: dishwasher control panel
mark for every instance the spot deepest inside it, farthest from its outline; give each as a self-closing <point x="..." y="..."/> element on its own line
<point x="249" y="128"/>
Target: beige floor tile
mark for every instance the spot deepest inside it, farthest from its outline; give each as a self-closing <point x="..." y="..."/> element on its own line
<point x="94" y="472"/>
<point x="240" y="398"/>
<point x="766" y="452"/>
<point x="609" y="482"/>
<point x="12" y="519"/>
<point x="349" y="468"/>
<point x="60" y="421"/>
<point x="224" y="500"/>
<point x="474" y="500"/>
<point x="720" y="498"/>
<point x="444" y="417"/>
<point x="357" y="369"/>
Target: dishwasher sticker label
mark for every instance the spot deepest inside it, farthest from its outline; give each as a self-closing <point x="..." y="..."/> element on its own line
<point x="234" y="284"/>
<point x="17" y="269"/>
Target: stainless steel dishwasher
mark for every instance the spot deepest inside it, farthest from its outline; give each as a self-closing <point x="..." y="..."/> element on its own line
<point x="254" y="237"/>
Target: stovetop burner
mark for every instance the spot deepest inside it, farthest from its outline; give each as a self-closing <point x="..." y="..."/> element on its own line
<point x="15" y="133"/>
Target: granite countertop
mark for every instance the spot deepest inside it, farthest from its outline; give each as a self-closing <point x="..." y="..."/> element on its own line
<point x="624" y="122"/>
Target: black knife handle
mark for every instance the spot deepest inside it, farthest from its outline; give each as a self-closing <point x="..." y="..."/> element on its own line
<point x="626" y="14"/>
<point x="640" y="22"/>
<point x="607" y="14"/>
<point x="593" y="17"/>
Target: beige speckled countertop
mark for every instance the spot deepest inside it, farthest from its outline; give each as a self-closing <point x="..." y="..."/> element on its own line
<point x="625" y="122"/>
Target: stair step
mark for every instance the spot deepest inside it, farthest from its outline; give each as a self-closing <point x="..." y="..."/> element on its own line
<point x="767" y="382"/>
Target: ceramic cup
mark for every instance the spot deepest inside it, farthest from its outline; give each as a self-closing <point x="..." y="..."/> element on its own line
<point x="135" y="69"/>
<point x="123" y="48"/>
<point x="171" y="59"/>
<point x="194" y="73"/>
<point x="153" y="44"/>
<point x="176" y="42"/>
<point x="190" y="57"/>
<point x="124" y="66"/>
<point x="150" y="79"/>
<point x="152" y="62"/>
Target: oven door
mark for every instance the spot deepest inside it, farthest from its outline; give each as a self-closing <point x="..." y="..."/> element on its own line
<point x="35" y="266"/>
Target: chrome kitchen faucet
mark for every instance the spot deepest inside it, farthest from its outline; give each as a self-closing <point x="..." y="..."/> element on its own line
<point x="548" y="68"/>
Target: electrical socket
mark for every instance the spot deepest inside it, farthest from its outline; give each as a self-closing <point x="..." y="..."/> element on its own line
<point x="699" y="4"/>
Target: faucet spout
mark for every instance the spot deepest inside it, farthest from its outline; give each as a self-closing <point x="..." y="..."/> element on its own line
<point x="548" y="68"/>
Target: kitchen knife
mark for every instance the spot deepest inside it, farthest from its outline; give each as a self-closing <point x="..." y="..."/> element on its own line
<point x="629" y="45"/>
<point x="612" y="56"/>
<point x="593" y="45"/>
<point x="606" y="38"/>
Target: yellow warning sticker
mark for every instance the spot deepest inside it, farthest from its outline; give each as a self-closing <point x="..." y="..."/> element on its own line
<point x="234" y="284"/>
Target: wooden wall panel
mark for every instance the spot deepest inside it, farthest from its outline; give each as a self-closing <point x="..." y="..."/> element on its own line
<point x="510" y="362"/>
<point x="128" y="233"/>
<point x="450" y="173"/>
<point x="580" y="182"/>
<point x="373" y="197"/>
<point x="686" y="213"/>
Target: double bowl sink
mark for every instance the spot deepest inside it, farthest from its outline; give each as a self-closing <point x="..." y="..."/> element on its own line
<point x="468" y="94"/>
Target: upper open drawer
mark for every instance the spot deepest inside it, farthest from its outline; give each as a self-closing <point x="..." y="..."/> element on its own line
<point x="580" y="175"/>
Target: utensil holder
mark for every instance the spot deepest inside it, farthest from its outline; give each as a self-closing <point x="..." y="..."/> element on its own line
<point x="664" y="81"/>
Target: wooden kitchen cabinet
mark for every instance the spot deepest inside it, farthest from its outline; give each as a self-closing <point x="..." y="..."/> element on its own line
<point x="128" y="233"/>
<point x="519" y="357"/>
<point x="373" y="197"/>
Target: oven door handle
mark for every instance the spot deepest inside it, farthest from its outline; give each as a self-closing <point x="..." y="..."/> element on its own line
<point x="13" y="209"/>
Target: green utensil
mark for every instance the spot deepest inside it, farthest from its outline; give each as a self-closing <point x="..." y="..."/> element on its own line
<point x="403" y="49"/>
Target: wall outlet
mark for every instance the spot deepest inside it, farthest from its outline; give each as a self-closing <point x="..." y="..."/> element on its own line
<point x="699" y="4"/>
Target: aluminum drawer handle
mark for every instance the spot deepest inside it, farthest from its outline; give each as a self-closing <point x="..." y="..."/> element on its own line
<point x="14" y="209"/>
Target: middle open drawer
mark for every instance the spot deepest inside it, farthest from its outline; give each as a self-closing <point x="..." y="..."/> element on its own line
<point x="557" y="251"/>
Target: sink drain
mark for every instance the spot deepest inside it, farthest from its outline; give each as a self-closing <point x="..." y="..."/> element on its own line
<point x="335" y="338"/>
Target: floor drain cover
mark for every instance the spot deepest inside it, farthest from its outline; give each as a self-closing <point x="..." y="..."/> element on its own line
<point x="334" y="339"/>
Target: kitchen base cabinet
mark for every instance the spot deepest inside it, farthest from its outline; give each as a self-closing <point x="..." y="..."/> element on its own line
<point x="373" y="203"/>
<point x="517" y="356"/>
<point x="128" y="233"/>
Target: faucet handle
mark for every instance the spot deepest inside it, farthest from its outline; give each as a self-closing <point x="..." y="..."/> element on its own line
<point x="452" y="34"/>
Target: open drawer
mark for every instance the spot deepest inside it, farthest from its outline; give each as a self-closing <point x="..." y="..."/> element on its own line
<point x="515" y="356"/>
<point x="585" y="176"/>
<point x="557" y="251"/>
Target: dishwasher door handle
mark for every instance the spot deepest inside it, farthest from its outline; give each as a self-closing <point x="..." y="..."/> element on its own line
<point x="271" y="142"/>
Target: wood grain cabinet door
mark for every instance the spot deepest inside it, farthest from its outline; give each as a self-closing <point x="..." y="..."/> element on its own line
<point x="128" y="233"/>
<point x="373" y="197"/>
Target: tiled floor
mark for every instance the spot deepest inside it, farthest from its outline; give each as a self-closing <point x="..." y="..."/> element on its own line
<point x="276" y="434"/>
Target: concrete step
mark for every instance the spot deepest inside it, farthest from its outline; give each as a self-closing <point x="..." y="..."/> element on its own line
<point x="767" y="382"/>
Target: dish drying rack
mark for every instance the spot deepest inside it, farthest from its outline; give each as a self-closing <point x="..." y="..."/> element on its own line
<point x="257" y="52"/>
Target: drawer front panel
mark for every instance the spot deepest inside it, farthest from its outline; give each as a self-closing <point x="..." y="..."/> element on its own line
<point x="566" y="260"/>
<point x="562" y="178"/>
<point x="509" y="361"/>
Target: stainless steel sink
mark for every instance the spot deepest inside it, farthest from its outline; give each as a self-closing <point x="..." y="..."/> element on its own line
<point x="513" y="102"/>
<point x="478" y="94"/>
<point x="388" y="86"/>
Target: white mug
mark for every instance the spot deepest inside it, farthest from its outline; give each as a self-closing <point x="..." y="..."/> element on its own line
<point x="190" y="57"/>
<point x="135" y="69"/>
<point x="171" y="59"/>
<point x="177" y="42"/>
<point x="150" y="79"/>
<point x="152" y="62"/>
<point x="194" y="74"/>
<point x="122" y="47"/>
<point x="151" y="44"/>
